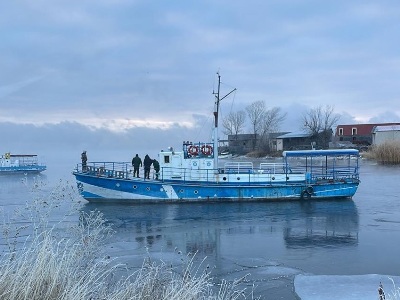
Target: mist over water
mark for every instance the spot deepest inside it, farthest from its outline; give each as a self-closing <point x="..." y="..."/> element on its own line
<point x="270" y="243"/>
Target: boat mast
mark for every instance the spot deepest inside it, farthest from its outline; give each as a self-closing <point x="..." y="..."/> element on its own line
<point x="216" y="111"/>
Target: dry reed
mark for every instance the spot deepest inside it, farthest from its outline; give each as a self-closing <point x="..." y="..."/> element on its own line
<point x="394" y="294"/>
<point x="386" y="153"/>
<point x="53" y="263"/>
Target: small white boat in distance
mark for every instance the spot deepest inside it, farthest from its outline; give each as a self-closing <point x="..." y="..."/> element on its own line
<point x="20" y="163"/>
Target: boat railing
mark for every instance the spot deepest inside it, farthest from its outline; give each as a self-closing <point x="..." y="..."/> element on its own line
<point x="123" y="170"/>
<point x="20" y="160"/>
<point x="319" y="174"/>
<point x="247" y="167"/>
<point x="106" y="169"/>
<point x="167" y="173"/>
<point x="342" y="172"/>
<point x="273" y="168"/>
<point x="238" y="167"/>
<point x="27" y="161"/>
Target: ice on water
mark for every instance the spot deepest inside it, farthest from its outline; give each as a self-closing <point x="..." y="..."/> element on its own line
<point x="344" y="287"/>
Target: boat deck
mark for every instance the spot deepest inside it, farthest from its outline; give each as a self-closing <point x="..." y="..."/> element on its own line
<point x="239" y="172"/>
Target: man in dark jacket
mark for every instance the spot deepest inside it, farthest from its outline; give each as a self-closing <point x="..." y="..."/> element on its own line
<point x="84" y="161"/>
<point x="136" y="163"/>
<point x="147" y="164"/>
<point x="156" y="167"/>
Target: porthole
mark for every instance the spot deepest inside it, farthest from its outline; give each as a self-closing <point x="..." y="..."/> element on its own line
<point x="224" y="178"/>
<point x="196" y="192"/>
<point x="117" y="185"/>
<point x="238" y="178"/>
<point x="148" y="188"/>
<point x="135" y="187"/>
<point x="273" y="178"/>
<point x="181" y="191"/>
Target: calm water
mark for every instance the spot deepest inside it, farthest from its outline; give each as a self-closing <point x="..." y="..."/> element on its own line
<point x="269" y="242"/>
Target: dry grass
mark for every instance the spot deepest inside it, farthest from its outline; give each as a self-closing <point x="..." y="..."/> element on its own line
<point x="394" y="294"/>
<point x="386" y="153"/>
<point x="50" y="263"/>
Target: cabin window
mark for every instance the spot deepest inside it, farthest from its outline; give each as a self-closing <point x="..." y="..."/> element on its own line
<point x="340" y="131"/>
<point x="166" y="159"/>
<point x="354" y="131"/>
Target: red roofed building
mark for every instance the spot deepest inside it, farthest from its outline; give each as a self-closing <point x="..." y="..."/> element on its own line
<point x="358" y="133"/>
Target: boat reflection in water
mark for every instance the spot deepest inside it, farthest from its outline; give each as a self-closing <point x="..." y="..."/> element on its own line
<point x="208" y="228"/>
<point x="323" y="225"/>
<point x="266" y="240"/>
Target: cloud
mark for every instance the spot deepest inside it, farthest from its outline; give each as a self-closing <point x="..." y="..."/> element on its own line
<point x="72" y="135"/>
<point x="17" y="86"/>
<point x="386" y="117"/>
<point x="131" y="64"/>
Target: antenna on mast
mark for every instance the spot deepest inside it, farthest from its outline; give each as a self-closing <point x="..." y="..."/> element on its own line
<point x="218" y="99"/>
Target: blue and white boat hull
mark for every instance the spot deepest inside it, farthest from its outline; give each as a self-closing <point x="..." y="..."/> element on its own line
<point x="99" y="189"/>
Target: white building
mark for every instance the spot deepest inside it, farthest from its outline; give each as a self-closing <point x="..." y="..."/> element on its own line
<point x="382" y="134"/>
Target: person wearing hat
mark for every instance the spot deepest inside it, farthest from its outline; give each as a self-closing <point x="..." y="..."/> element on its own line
<point x="156" y="167"/>
<point x="147" y="164"/>
<point x="84" y="160"/>
<point x="136" y="163"/>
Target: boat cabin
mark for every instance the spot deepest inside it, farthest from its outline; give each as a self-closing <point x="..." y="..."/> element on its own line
<point x="194" y="162"/>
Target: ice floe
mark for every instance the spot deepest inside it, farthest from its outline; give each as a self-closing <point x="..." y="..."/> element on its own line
<point x="348" y="287"/>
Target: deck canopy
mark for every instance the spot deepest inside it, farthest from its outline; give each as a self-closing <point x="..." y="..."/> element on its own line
<point x="334" y="152"/>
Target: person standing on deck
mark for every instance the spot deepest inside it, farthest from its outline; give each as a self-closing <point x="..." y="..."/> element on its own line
<point x="156" y="167"/>
<point x="136" y="163"/>
<point x="84" y="160"/>
<point x="147" y="164"/>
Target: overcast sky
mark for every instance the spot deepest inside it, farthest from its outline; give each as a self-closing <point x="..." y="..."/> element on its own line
<point x="144" y="71"/>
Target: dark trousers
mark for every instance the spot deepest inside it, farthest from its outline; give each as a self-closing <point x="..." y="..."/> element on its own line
<point x="147" y="173"/>
<point x="136" y="171"/>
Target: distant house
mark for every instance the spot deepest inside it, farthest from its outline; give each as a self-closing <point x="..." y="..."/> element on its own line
<point x="294" y="141"/>
<point x="382" y="134"/>
<point x="242" y="143"/>
<point x="274" y="143"/>
<point x="245" y="143"/>
<point x="358" y="134"/>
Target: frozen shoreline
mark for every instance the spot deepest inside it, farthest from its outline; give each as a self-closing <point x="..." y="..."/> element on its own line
<point x="349" y="287"/>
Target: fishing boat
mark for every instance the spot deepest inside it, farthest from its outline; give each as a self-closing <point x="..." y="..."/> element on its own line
<point x="193" y="173"/>
<point x="20" y="163"/>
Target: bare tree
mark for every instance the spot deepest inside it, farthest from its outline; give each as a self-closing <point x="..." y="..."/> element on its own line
<point x="271" y="122"/>
<point x="273" y="119"/>
<point x="255" y="112"/>
<point x="319" y="121"/>
<point x="234" y="122"/>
